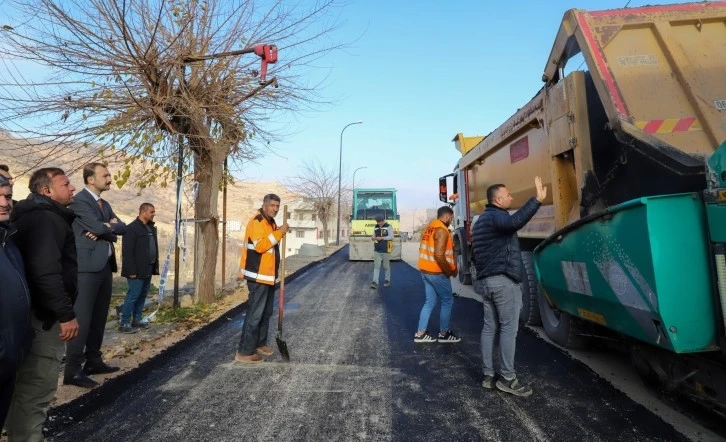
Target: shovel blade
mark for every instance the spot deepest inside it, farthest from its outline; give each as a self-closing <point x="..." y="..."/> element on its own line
<point x="282" y="346"/>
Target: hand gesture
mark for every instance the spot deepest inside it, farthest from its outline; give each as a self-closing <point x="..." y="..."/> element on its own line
<point x="91" y="236"/>
<point x="541" y="191"/>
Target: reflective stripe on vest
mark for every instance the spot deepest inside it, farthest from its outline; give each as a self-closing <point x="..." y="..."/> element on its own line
<point x="426" y="260"/>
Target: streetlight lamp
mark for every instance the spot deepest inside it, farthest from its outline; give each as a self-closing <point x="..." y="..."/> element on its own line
<point x="340" y="171"/>
<point x="362" y="167"/>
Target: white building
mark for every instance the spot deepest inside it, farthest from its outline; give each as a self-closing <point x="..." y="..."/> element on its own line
<point x="305" y="228"/>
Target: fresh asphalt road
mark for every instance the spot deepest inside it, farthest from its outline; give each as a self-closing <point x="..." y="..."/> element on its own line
<point x="355" y="374"/>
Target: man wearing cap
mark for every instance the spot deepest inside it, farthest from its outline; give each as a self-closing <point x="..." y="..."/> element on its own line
<point x="382" y="246"/>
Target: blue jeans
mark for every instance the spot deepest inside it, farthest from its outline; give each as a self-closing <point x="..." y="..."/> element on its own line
<point x="436" y="286"/>
<point x="502" y="301"/>
<point x="135" y="299"/>
<point x="257" y="320"/>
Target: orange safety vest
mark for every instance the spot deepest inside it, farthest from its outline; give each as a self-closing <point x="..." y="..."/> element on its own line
<point x="260" y="256"/>
<point x="426" y="261"/>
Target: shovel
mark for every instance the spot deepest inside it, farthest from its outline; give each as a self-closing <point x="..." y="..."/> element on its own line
<point x="282" y="345"/>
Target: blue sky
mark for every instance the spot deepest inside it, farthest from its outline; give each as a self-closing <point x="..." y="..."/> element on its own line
<point x="421" y="72"/>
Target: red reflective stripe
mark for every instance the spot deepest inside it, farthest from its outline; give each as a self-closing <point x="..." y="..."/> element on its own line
<point x="653" y="126"/>
<point x="684" y="124"/>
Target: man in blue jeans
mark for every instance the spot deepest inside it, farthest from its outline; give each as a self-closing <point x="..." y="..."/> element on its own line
<point x="140" y="260"/>
<point x="499" y="266"/>
<point x="437" y="265"/>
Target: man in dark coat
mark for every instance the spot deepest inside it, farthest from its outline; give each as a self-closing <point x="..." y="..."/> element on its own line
<point x="498" y="263"/>
<point x="15" y="326"/>
<point x="46" y="242"/>
<point x="140" y="260"/>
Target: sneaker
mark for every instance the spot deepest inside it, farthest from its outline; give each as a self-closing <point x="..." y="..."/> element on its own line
<point x="374" y="285"/>
<point x="449" y="337"/>
<point x="126" y="328"/>
<point x="387" y="284"/>
<point x="513" y="387"/>
<point x="424" y="338"/>
<point x="488" y="382"/>
<point x="140" y="324"/>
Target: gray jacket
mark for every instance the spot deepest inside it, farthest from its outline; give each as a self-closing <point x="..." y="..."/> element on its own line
<point x="93" y="255"/>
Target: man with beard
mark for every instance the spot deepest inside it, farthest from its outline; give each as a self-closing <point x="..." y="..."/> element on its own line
<point x="437" y="265"/>
<point x="46" y="242"/>
<point x="499" y="266"/>
<point x="260" y="266"/>
<point x="96" y="229"/>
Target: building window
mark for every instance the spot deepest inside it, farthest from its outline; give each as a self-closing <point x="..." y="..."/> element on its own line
<point x="315" y="217"/>
<point x="300" y="234"/>
<point x="300" y="216"/>
<point x="342" y="232"/>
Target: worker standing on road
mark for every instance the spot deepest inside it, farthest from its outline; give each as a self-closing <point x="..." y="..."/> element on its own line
<point x="382" y="246"/>
<point x="436" y="263"/>
<point x="499" y="267"/>
<point x="259" y="265"/>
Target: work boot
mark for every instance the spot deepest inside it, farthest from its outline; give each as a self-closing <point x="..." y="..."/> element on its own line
<point x="387" y="284"/>
<point x="247" y="359"/>
<point x="374" y="285"/>
<point x="265" y="351"/>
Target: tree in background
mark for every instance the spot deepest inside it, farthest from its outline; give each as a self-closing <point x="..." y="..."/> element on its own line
<point x="131" y="80"/>
<point x="319" y="185"/>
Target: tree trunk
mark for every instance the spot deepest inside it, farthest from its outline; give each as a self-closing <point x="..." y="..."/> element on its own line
<point x="325" y="231"/>
<point x="208" y="173"/>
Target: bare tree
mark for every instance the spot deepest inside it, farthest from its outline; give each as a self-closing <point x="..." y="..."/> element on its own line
<point x="319" y="185"/>
<point x="130" y="81"/>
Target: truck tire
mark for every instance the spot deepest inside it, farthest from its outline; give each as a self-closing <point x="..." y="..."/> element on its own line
<point x="464" y="277"/>
<point x="529" y="315"/>
<point x="559" y="326"/>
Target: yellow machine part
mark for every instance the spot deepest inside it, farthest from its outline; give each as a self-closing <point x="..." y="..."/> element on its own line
<point x="361" y="246"/>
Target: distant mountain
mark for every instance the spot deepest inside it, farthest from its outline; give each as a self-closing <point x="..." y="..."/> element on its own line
<point x="243" y="198"/>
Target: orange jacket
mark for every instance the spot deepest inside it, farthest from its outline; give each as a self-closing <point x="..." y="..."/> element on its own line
<point x="260" y="258"/>
<point x="427" y="250"/>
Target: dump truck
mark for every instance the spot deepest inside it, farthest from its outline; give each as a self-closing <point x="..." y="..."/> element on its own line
<point x="630" y="242"/>
<point x="367" y="204"/>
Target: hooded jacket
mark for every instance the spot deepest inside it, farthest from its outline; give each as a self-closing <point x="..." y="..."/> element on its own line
<point x="16" y="334"/>
<point x="46" y="242"/>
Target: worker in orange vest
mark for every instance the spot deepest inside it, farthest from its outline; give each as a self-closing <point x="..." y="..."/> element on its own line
<point x="437" y="265"/>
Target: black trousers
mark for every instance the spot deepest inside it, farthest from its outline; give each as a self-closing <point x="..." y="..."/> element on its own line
<point x="6" y="394"/>
<point x="91" y="307"/>
<point x="257" y="321"/>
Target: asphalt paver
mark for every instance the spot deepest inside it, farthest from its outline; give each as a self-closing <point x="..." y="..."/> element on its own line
<point x="355" y="374"/>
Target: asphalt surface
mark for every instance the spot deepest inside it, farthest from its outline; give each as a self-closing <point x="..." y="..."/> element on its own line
<point x="355" y="374"/>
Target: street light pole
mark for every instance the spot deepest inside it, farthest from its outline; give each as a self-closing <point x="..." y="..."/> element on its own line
<point x="362" y="167"/>
<point x="340" y="171"/>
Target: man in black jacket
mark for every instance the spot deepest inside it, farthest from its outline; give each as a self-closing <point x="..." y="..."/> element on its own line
<point x="499" y="266"/>
<point x="139" y="261"/>
<point x="14" y="303"/>
<point x="46" y="242"/>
